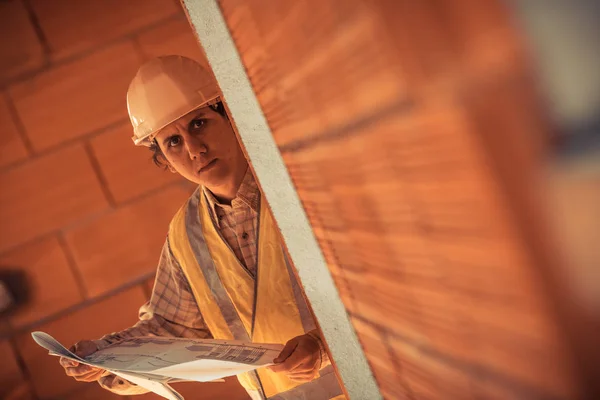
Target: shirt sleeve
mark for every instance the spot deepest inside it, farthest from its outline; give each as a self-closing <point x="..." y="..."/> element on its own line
<point x="172" y="311"/>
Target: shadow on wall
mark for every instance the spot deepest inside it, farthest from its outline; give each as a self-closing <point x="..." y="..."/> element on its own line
<point x="15" y="290"/>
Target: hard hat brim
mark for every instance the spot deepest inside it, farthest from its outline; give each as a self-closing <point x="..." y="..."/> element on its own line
<point x="146" y="139"/>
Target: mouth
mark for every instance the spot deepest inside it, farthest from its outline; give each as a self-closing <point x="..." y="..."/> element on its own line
<point x="208" y="166"/>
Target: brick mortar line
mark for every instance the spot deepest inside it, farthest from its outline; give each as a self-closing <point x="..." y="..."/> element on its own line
<point x="38" y="238"/>
<point x="130" y="36"/>
<point x="135" y="42"/>
<point x="139" y="281"/>
<point x="342" y="273"/>
<point x="399" y="106"/>
<point x="65" y="144"/>
<point x="94" y="216"/>
<point x="395" y="362"/>
<point x="27" y="375"/>
<point x="474" y="369"/>
<point x="63" y="61"/>
<point x="22" y="132"/>
<point x="32" y="153"/>
<point x="73" y="266"/>
<point x="99" y="174"/>
<point x="41" y="36"/>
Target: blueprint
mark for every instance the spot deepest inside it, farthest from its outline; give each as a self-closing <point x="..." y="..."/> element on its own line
<point x="152" y="362"/>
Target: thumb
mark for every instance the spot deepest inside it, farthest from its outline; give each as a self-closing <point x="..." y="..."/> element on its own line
<point x="287" y="351"/>
<point x="85" y="348"/>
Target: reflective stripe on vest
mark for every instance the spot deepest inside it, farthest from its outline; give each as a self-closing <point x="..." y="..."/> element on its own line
<point x="206" y="263"/>
<point x="211" y="268"/>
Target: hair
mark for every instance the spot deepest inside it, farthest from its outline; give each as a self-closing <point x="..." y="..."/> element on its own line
<point x="159" y="158"/>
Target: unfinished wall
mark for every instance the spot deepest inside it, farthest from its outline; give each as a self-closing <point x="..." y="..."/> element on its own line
<point x="83" y="213"/>
<point x="411" y="132"/>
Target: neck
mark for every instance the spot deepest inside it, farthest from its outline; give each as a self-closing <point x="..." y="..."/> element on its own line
<point x="227" y="192"/>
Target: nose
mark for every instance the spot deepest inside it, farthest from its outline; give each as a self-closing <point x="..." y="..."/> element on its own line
<point x="194" y="146"/>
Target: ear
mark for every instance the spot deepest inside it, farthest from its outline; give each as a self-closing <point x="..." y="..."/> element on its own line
<point x="170" y="167"/>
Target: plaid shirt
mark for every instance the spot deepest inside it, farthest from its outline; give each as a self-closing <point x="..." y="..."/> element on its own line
<point x="172" y="309"/>
<point x="238" y="223"/>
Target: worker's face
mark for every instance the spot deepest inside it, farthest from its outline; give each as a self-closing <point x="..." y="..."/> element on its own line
<point x="202" y="147"/>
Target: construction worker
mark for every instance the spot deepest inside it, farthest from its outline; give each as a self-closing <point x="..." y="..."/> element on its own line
<point x="222" y="272"/>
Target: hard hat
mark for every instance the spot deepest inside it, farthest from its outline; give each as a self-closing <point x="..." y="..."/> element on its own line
<point x="164" y="90"/>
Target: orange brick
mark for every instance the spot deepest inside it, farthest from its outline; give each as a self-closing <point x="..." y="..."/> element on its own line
<point x="371" y="340"/>
<point x="22" y="52"/>
<point x="173" y="37"/>
<point x="126" y="244"/>
<point x="386" y="300"/>
<point x="129" y="170"/>
<point x="72" y="26"/>
<point x="20" y="390"/>
<point x="109" y="315"/>
<point x="93" y="391"/>
<point x="380" y="359"/>
<point x="46" y="194"/>
<point x="230" y="390"/>
<point x="5" y="329"/>
<point x="51" y="282"/>
<point x="10" y="373"/>
<point x="11" y="146"/>
<point x="149" y="286"/>
<point x="78" y="97"/>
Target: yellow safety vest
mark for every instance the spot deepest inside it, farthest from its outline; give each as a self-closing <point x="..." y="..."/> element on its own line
<point x="236" y="306"/>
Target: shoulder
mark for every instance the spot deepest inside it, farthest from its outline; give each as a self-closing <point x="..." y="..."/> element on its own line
<point x="177" y="246"/>
<point x="186" y="216"/>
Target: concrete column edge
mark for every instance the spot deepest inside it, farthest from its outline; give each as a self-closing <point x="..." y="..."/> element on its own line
<point x="207" y="20"/>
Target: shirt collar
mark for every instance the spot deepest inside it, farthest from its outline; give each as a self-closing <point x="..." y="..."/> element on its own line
<point x="248" y="194"/>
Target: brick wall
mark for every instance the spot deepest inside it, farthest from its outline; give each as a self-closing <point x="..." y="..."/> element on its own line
<point x="412" y="132"/>
<point x="82" y="211"/>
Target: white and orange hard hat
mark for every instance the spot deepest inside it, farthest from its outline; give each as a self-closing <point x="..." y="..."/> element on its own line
<point x="164" y="90"/>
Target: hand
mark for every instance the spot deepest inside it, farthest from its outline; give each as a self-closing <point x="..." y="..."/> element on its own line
<point x="82" y="372"/>
<point x="300" y="359"/>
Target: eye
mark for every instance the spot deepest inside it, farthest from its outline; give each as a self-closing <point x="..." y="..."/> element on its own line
<point x="197" y="123"/>
<point x="174" y="141"/>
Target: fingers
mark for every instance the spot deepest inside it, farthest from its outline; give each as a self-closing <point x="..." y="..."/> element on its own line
<point x="66" y="362"/>
<point x="85" y="348"/>
<point x="303" y="376"/>
<point x="287" y="351"/>
<point x="299" y="359"/>
<point x="296" y="360"/>
<point x="84" y="373"/>
<point x="90" y="376"/>
<point x="303" y="372"/>
<point x="81" y="349"/>
<point x="290" y="348"/>
<point x="79" y="370"/>
<point x="112" y="380"/>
